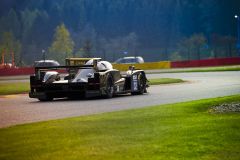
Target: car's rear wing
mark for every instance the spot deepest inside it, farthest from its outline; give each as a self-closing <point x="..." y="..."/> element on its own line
<point x="62" y="67"/>
<point x="78" y="61"/>
<point x="38" y="70"/>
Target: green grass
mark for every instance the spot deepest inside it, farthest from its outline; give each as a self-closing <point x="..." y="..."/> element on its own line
<point x="14" y="88"/>
<point x="203" y="69"/>
<point x="158" y="81"/>
<point x="176" y="131"/>
<point x="215" y="69"/>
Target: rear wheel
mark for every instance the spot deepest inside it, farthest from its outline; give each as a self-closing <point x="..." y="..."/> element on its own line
<point x="109" y="87"/>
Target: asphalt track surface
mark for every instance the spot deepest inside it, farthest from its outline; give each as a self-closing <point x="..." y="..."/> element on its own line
<point x="19" y="109"/>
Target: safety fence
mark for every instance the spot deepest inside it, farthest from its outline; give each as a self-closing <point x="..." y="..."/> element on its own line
<point x="16" y="71"/>
<point x="144" y="66"/>
<point x="206" y="62"/>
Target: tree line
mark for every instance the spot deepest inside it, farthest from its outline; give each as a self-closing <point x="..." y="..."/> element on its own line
<point x="154" y="29"/>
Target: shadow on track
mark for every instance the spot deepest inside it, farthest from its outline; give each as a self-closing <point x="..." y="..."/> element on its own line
<point x="83" y="99"/>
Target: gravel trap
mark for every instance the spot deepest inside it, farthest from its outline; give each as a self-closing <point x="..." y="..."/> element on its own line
<point x="225" y="108"/>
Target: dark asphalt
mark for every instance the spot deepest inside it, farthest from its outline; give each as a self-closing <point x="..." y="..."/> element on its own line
<point x="19" y="109"/>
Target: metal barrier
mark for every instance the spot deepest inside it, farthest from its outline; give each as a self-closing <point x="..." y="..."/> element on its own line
<point x="206" y="62"/>
<point x="16" y="71"/>
<point x="144" y="66"/>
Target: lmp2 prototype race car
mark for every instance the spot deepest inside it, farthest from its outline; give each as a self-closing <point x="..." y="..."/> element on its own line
<point x="95" y="78"/>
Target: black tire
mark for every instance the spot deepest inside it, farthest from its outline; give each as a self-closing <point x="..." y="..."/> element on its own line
<point x="141" y="85"/>
<point x="109" y="87"/>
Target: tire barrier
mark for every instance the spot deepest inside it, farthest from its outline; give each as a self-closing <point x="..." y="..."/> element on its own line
<point x="144" y="66"/>
<point x="206" y="62"/>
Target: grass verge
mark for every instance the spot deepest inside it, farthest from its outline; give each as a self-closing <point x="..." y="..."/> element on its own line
<point x="14" y="88"/>
<point x="203" y="69"/>
<point x="175" y="131"/>
<point x="23" y="87"/>
<point x="158" y="81"/>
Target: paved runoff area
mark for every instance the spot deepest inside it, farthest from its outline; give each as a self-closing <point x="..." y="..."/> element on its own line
<point x="20" y="109"/>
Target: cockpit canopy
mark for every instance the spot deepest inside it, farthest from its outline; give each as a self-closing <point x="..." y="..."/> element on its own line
<point x="84" y="74"/>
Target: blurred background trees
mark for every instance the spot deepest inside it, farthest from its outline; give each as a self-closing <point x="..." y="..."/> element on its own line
<point x="156" y="30"/>
<point x="62" y="45"/>
<point x="10" y="48"/>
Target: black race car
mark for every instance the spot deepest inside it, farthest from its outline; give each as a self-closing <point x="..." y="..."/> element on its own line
<point x="95" y="78"/>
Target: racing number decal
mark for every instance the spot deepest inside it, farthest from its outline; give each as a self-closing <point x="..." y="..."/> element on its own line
<point x="135" y="83"/>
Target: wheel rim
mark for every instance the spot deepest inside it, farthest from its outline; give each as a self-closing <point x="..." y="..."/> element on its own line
<point x="109" y="87"/>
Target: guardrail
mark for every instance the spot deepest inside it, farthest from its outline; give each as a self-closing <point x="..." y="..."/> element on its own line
<point x="206" y="62"/>
<point x="144" y="66"/>
<point x="16" y="71"/>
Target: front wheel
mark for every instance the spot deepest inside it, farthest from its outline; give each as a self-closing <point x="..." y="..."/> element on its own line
<point x="141" y="85"/>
